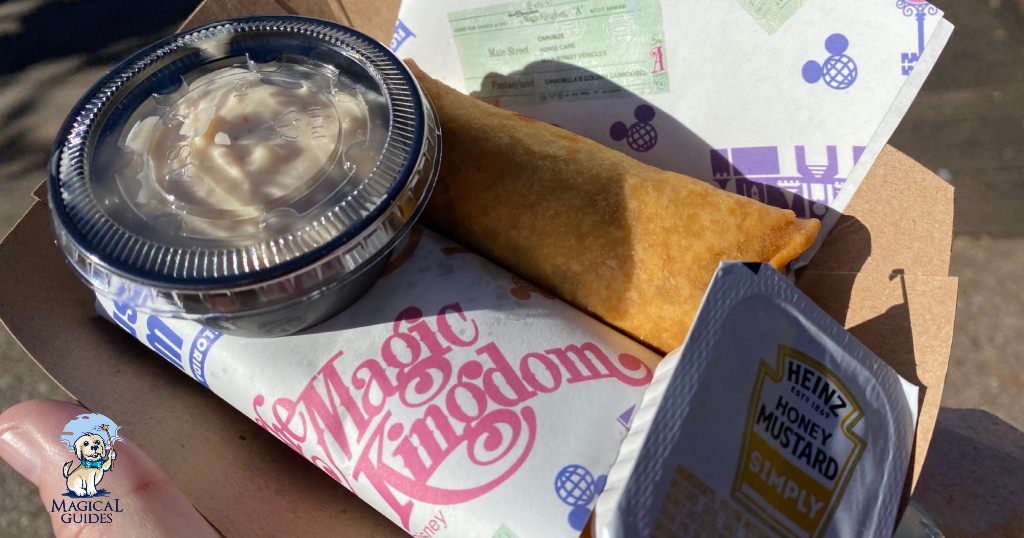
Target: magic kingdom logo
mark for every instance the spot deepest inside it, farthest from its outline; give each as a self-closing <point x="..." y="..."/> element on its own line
<point x="437" y="395"/>
<point x="90" y="437"/>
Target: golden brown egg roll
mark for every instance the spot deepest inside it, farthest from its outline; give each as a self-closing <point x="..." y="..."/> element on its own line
<point x="634" y="245"/>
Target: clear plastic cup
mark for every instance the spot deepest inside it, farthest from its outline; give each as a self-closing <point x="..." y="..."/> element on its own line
<point x="254" y="175"/>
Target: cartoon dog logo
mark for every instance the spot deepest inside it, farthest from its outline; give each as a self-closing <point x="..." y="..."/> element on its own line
<point x="91" y="438"/>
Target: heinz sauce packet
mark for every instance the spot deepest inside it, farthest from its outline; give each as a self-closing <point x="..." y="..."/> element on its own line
<point x="455" y="398"/>
<point x="770" y="420"/>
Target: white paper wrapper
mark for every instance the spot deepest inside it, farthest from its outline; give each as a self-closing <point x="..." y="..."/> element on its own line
<point x="456" y="399"/>
<point x="770" y="420"/>
<point x="788" y="102"/>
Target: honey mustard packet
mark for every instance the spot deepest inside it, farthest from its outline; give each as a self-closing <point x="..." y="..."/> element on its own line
<point x="771" y="419"/>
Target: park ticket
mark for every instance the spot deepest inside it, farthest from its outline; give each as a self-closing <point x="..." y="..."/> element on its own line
<point x="455" y="398"/>
<point x="591" y="50"/>
<point x="771" y="420"/>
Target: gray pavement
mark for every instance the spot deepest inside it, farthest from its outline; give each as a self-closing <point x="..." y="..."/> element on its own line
<point x="967" y="126"/>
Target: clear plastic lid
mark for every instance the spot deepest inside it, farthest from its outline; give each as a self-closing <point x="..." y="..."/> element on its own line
<point x="241" y="164"/>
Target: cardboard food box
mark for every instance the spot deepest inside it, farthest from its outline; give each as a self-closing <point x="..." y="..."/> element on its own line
<point x="882" y="273"/>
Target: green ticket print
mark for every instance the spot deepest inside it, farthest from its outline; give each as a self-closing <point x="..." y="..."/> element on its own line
<point x="551" y="50"/>
<point x="771" y="14"/>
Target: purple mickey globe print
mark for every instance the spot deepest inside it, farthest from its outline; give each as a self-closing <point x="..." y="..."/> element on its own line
<point x="838" y="71"/>
<point x="640" y="136"/>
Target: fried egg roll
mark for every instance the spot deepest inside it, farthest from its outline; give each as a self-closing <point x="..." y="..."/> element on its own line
<point x="633" y="245"/>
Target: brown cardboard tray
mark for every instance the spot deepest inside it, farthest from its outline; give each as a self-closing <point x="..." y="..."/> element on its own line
<point x="883" y="273"/>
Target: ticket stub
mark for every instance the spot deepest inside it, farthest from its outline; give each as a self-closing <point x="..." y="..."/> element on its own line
<point x="770" y="420"/>
<point x="455" y="398"/>
<point x="547" y="50"/>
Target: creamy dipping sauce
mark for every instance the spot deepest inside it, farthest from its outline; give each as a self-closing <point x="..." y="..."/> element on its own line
<point x="224" y="156"/>
<point x="255" y="175"/>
